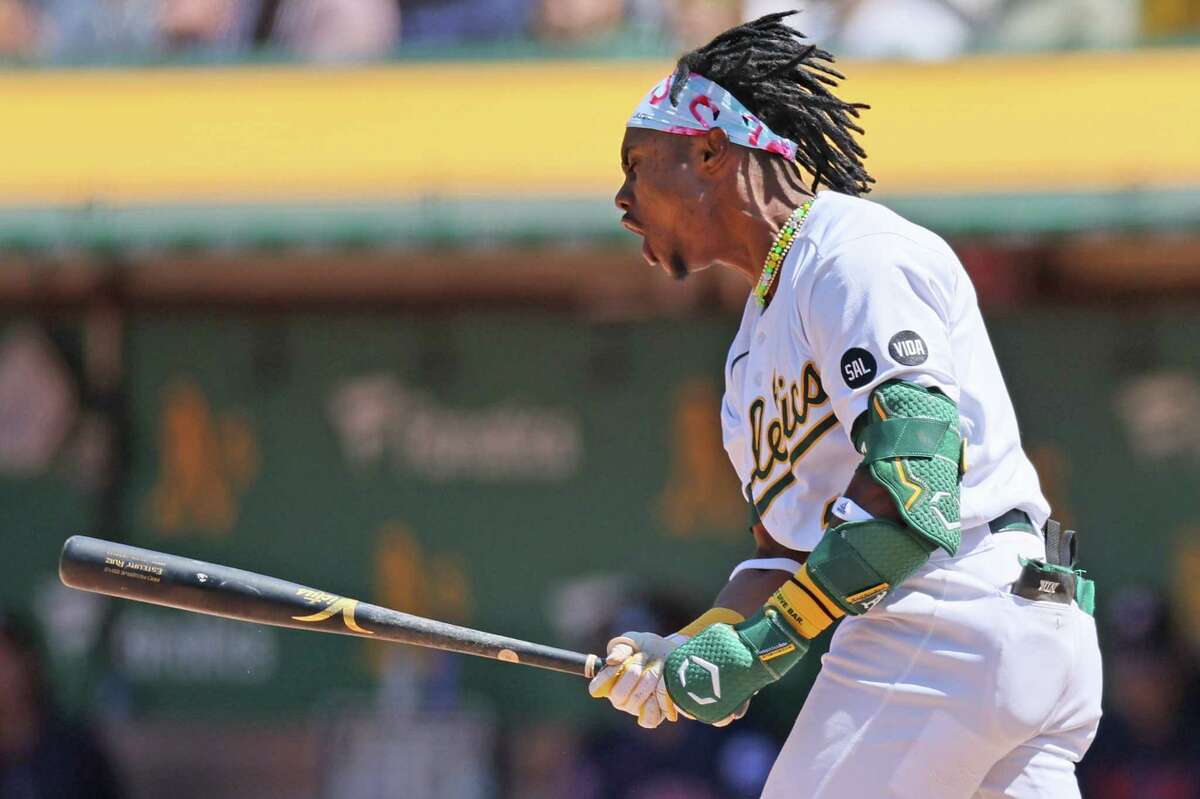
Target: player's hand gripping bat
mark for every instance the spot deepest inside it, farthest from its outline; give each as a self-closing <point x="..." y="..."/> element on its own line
<point x="120" y="570"/>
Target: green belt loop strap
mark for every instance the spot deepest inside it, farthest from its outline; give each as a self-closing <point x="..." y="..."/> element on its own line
<point x="1085" y="594"/>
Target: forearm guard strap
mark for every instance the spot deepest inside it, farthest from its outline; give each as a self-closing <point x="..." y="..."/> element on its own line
<point x="857" y="563"/>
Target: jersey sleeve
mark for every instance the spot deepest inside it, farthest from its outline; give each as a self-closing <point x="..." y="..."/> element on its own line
<point x="878" y="309"/>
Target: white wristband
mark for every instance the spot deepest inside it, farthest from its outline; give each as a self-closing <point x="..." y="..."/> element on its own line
<point x="771" y="564"/>
<point x="848" y="510"/>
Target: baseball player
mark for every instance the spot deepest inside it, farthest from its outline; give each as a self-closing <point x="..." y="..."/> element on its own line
<point x="869" y="424"/>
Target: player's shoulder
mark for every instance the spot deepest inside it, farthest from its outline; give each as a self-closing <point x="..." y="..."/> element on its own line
<point x="841" y="224"/>
<point x="858" y="237"/>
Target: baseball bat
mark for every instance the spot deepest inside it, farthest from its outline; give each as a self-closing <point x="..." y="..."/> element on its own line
<point x="128" y="572"/>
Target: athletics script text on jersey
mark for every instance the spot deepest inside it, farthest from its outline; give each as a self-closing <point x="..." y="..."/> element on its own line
<point x="780" y="429"/>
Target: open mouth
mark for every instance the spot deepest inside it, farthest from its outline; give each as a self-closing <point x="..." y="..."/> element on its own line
<point x="633" y="227"/>
<point x="648" y="253"/>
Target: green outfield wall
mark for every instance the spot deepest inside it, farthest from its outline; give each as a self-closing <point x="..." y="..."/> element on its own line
<point x="502" y="470"/>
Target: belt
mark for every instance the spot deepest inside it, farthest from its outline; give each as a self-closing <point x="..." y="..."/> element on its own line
<point x="1015" y="519"/>
<point x="1060" y="544"/>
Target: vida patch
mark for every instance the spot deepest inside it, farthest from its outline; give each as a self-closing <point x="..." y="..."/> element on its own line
<point x="908" y="348"/>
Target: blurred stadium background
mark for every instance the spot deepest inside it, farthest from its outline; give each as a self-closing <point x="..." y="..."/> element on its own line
<point x="334" y="290"/>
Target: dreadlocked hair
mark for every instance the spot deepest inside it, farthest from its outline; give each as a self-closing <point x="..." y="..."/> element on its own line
<point x="786" y="82"/>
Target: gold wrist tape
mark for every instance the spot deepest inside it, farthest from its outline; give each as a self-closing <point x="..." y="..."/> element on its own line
<point x="711" y="617"/>
<point x="804" y="606"/>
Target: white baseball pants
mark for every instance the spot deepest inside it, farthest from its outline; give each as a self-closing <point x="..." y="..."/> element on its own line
<point x="951" y="688"/>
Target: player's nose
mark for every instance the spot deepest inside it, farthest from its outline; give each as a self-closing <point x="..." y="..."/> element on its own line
<point x="623" y="199"/>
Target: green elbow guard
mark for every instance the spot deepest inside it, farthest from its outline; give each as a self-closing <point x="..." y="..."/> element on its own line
<point x="911" y="446"/>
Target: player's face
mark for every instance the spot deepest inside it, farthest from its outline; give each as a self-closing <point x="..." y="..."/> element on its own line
<point x="664" y="200"/>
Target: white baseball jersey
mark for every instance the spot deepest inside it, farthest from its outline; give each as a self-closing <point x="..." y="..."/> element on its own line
<point x="864" y="296"/>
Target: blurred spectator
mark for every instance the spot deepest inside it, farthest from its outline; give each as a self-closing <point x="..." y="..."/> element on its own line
<point x="918" y="29"/>
<point x="1171" y="17"/>
<point x="579" y="20"/>
<point x="940" y="29"/>
<point x="695" y="22"/>
<point x="319" y="30"/>
<point x="818" y="19"/>
<point x="1146" y="747"/>
<point x="220" y="24"/>
<point x="99" y="30"/>
<point x="337" y="30"/>
<point x="122" y="30"/>
<point x="42" y="756"/>
<point x="1061" y="24"/>
<point x="18" y="28"/>
<point x="675" y="761"/>
<point x="912" y="29"/>
<point x="348" y="30"/>
<point x="461" y="21"/>
<point x="684" y="760"/>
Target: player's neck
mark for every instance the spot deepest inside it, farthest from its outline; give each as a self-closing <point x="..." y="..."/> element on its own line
<point x="765" y="203"/>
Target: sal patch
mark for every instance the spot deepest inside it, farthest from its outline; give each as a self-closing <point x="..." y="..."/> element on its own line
<point x="858" y="367"/>
<point x="908" y="348"/>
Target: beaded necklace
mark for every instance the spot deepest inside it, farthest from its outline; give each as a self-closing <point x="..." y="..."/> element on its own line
<point x="779" y="250"/>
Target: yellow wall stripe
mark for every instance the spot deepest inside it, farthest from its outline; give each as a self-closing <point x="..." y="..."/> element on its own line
<point x="1096" y="121"/>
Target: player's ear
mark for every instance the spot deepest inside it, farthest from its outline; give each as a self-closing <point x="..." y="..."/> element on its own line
<point x="715" y="151"/>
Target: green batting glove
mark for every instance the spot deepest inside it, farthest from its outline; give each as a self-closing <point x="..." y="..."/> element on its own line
<point x="712" y="675"/>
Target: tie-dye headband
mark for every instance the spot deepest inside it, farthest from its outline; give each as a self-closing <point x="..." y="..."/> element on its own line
<point x="704" y="105"/>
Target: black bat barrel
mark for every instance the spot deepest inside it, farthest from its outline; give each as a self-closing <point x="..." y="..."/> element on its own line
<point x="120" y="570"/>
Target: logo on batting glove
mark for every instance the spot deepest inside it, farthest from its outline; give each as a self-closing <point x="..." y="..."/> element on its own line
<point x="714" y="678"/>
